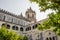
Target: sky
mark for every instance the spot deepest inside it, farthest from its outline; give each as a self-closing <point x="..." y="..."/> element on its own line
<point x="20" y="6"/>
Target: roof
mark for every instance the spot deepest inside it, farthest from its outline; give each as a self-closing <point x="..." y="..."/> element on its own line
<point x="38" y="22"/>
<point x="9" y="13"/>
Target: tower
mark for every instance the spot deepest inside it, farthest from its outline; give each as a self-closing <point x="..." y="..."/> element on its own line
<point x="31" y="15"/>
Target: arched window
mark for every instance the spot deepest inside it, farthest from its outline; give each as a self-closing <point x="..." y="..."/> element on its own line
<point x="13" y="27"/>
<point x="26" y="29"/>
<point x="21" y="29"/>
<point x="29" y="28"/>
<point x="53" y="38"/>
<point x="27" y="15"/>
<point x="33" y="27"/>
<point x="3" y="24"/>
<point x="47" y="39"/>
<point x="50" y="38"/>
<point x="36" y="26"/>
<point x="8" y="26"/>
<point x="16" y="28"/>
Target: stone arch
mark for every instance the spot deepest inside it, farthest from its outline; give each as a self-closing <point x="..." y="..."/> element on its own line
<point x="21" y="29"/>
<point x="50" y="34"/>
<point x="50" y="38"/>
<point x="47" y="39"/>
<point x="53" y="38"/>
<point x="49" y="31"/>
<point x="29" y="28"/>
<point x="3" y="24"/>
<point x="26" y="29"/>
<point x="8" y="26"/>
<point x="16" y="28"/>
<point x="35" y="25"/>
<point x="13" y="27"/>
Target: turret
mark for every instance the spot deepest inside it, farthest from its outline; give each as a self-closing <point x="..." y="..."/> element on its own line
<point x="31" y="15"/>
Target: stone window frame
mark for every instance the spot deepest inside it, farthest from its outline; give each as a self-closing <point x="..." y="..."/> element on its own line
<point x="8" y="26"/>
<point x="21" y="29"/>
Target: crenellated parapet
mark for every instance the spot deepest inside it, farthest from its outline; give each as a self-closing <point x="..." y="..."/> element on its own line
<point x="12" y="14"/>
<point x="6" y="12"/>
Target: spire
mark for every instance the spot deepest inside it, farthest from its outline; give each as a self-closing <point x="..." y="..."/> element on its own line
<point x="21" y="15"/>
<point x="30" y="8"/>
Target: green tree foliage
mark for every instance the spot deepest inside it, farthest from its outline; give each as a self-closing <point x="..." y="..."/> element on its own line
<point x="9" y="35"/>
<point x="25" y="38"/>
<point x="3" y="33"/>
<point x="53" y="21"/>
<point x="44" y="25"/>
<point x="21" y="37"/>
<point x="48" y="4"/>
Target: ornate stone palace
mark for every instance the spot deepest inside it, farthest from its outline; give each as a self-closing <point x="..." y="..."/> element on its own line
<point x="25" y="25"/>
